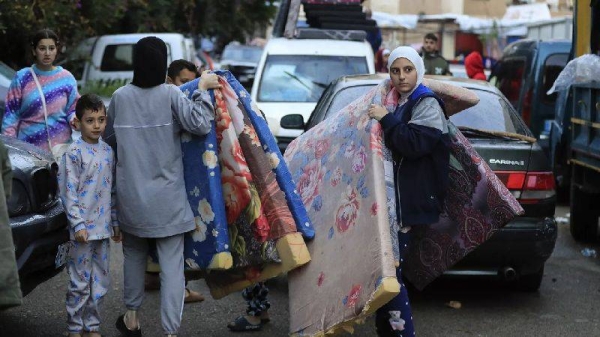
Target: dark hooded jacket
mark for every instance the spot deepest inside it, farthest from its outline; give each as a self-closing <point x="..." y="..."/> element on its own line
<point x="149" y="62"/>
<point x="474" y="66"/>
<point x="421" y="159"/>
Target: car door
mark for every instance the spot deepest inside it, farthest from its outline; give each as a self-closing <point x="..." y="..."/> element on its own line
<point x="543" y="111"/>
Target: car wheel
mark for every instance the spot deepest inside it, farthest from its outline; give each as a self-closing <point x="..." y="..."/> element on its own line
<point x="530" y="282"/>
<point x="584" y="216"/>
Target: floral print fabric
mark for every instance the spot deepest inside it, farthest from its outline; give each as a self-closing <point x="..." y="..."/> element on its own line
<point x="345" y="156"/>
<point x="339" y="169"/>
<point x="239" y="189"/>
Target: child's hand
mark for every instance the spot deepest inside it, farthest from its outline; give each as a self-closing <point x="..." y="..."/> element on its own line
<point x="73" y="123"/>
<point x="117" y="235"/>
<point x="377" y="112"/>
<point x="208" y="81"/>
<point x="81" y="236"/>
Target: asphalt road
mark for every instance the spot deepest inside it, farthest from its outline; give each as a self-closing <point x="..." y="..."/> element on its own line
<point x="567" y="304"/>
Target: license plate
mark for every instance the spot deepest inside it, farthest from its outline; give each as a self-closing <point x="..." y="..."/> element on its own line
<point x="62" y="254"/>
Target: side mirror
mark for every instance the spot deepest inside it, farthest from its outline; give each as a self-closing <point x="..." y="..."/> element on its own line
<point x="293" y="121"/>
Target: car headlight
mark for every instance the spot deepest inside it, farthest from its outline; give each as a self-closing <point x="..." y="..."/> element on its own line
<point x="18" y="204"/>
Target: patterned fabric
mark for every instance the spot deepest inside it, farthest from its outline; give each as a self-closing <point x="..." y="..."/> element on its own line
<point x="344" y="155"/>
<point x="477" y="205"/>
<point x="242" y="196"/>
<point x="24" y="116"/>
<point x="456" y="99"/>
<point x="256" y="296"/>
<point x="88" y="269"/>
<point x="339" y="169"/>
<point x="85" y="179"/>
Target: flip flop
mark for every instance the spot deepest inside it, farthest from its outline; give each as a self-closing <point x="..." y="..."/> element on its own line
<point x="124" y="330"/>
<point x="192" y="296"/>
<point x="242" y="324"/>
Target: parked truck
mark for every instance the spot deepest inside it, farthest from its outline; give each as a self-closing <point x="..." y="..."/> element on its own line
<point x="583" y="129"/>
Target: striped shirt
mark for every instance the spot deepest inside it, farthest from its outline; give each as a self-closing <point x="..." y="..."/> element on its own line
<point x="24" y="116"/>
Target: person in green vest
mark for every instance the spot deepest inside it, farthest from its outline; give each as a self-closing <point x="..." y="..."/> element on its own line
<point x="435" y="64"/>
<point x="10" y="288"/>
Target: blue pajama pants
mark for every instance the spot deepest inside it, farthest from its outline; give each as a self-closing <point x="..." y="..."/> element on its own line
<point x="400" y="303"/>
<point x="88" y="269"/>
<point x="256" y="296"/>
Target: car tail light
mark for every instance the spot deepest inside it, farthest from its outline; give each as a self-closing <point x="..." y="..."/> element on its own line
<point x="538" y="186"/>
<point x="528" y="187"/>
<point x="526" y="111"/>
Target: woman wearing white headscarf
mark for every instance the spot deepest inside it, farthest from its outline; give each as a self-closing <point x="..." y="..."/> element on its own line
<point x="416" y="131"/>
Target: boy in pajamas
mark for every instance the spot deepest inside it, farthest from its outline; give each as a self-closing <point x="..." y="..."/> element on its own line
<point x="86" y="181"/>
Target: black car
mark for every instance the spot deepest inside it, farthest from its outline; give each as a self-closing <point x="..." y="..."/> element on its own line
<point x="241" y="61"/>
<point x="519" y="250"/>
<point x="526" y="71"/>
<point x="37" y="218"/>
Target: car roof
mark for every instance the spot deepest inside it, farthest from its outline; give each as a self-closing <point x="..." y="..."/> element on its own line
<point x="355" y="80"/>
<point x="284" y="46"/>
<point x="135" y="37"/>
<point x="527" y="46"/>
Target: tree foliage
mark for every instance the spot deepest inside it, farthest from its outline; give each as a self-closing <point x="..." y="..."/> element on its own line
<point x="74" y="20"/>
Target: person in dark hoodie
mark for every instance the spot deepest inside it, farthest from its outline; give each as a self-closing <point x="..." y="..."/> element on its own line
<point x="416" y="131"/>
<point x="146" y="118"/>
<point x="474" y="66"/>
<point x="435" y="64"/>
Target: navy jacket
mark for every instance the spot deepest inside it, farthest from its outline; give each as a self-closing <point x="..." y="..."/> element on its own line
<point x="421" y="160"/>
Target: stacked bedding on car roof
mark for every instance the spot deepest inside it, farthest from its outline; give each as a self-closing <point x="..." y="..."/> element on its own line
<point x="337" y="14"/>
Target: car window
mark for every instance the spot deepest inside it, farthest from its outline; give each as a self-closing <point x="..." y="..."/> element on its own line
<point x="303" y="78"/>
<point x="492" y="113"/>
<point x="241" y="53"/>
<point x="119" y="57"/>
<point x="508" y="77"/>
<point x="553" y="65"/>
<point x="346" y="96"/>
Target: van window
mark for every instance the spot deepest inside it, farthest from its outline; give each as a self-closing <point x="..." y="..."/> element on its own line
<point x="303" y="78"/>
<point x="552" y="67"/>
<point x="242" y="53"/>
<point x="119" y="57"/>
<point x="508" y="77"/>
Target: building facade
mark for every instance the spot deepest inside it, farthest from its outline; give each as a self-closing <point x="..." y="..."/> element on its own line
<point x="478" y="8"/>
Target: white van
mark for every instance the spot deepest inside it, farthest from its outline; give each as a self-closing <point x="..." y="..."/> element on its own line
<point x="292" y="74"/>
<point x="108" y="59"/>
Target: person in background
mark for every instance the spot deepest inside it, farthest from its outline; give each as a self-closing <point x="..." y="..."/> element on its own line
<point x="374" y="35"/>
<point x="435" y="64"/>
<point x="46" y="122"/>
<point x="181" y="72"/>
<point x="416" y="131"/>
<point x="86" y="172"/>
<point x="10" y="288"/>
<point x="178" y="73"/>
<point x="474" y="66"/>
<point x="382" y="59"/>
<point x="148" y="117"/>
